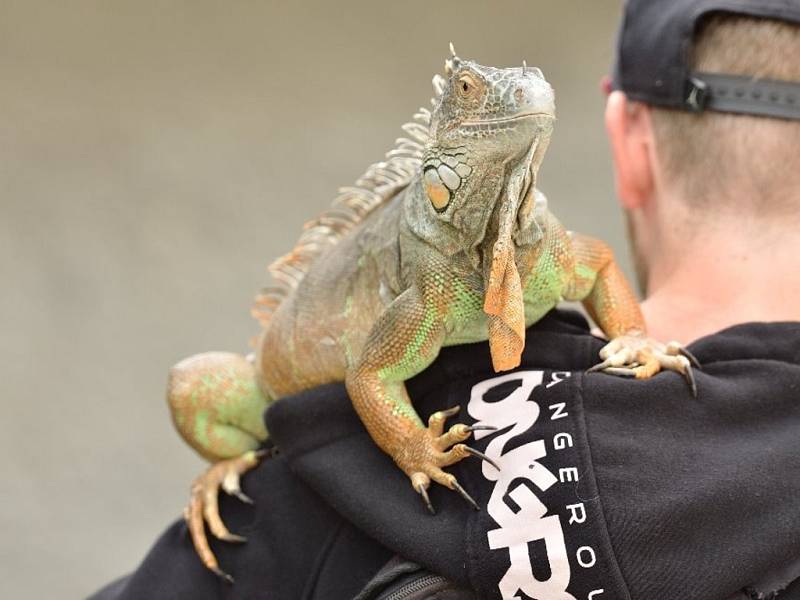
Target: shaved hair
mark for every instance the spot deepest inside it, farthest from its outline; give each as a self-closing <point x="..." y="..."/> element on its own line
<point x="721" y="162"/>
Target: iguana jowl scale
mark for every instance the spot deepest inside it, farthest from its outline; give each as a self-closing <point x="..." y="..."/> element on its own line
<point x="448" y="241"/>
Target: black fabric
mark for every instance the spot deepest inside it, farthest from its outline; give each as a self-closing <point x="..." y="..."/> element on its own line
<point x="653" y="51"/>
<point x="792" y="592"/>
<point x="609" y="489"/>
<point x="716" y="479"/>
<point x="778" y="579"/>
<point x="297" y="548"/>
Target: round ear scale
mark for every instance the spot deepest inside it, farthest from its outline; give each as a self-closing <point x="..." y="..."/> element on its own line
<point x="435" y="189"/>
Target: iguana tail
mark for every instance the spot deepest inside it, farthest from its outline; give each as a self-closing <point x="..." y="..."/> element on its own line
<point x="217" y="405"/>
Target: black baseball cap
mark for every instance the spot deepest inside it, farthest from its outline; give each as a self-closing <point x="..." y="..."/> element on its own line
<point x="652" y="60"/>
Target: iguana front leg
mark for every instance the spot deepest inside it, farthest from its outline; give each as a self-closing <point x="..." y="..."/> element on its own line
<point x="599" y="283"/>
<point x="403" y="342"/>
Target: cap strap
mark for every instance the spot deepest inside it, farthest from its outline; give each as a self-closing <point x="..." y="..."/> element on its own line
<point x="745" y="95"/>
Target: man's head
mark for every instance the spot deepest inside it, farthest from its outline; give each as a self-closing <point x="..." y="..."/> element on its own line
<point x="680" y="173"/>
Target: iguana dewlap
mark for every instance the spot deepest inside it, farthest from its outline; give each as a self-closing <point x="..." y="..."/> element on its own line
<point x="448" y="241"/>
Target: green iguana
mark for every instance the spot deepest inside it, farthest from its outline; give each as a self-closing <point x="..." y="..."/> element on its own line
<point x="446" y="242"/>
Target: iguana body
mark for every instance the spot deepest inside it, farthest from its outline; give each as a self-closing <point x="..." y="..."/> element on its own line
<point x="447" y="242"/>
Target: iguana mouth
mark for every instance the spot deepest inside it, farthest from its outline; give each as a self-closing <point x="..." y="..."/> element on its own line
<point x="519" y="117"/>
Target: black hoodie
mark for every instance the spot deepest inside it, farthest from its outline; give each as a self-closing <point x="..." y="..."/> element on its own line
<point x="609" y="489"/>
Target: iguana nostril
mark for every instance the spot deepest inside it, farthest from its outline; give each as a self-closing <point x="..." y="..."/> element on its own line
<point x="519" y="95"/>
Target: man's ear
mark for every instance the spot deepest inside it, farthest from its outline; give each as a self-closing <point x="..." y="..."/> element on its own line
<point x="631" y="136"/>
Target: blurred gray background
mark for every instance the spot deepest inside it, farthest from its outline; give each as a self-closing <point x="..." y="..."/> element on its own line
<point x="154" y="157"/>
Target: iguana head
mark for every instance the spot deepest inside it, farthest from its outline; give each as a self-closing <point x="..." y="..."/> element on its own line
<point x="500" y="119"/>
<point x="489" y="131"/>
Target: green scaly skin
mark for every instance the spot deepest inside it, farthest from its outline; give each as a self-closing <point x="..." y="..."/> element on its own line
<point x="466" y="251"/>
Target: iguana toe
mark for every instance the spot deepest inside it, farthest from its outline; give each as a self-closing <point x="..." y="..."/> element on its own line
<point x="437" y="419"/>
<point x="420" y="482"/>
<point x="457" y="433"/>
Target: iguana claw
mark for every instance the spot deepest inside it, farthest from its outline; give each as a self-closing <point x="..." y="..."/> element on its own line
<point x="692" y="383"/>
<point x="641" y="357"/>
<point x="481" y="428"/>
<point x="223" y="575"/>
<point x="444" y="414"/>
<point x="241" y="496"/>
<point x="465" y="495"/>
<point x="425" y="498"/>
<point x="481" y="455"/>
<point x="685" y="352"/>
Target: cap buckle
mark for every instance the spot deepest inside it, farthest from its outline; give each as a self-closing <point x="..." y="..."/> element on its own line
<point x="697" y="95"/>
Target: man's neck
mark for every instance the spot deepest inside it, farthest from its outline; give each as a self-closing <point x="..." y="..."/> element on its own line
<point x="723" y="278"/>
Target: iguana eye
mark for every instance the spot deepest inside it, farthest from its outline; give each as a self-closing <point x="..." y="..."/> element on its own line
<point x="466" y="85"/>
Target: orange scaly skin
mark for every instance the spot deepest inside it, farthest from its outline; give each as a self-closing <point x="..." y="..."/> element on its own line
<point x="447" y="242"/>
<point x="604" y="290"/>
